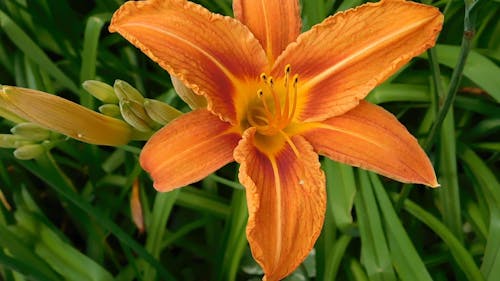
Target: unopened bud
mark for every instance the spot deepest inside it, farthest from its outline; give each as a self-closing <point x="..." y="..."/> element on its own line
<point x="129" y="113"/>
<point x="30" y="131"/>
<point x="12" y="141"/>
<point x="126" y="92"/>
<point x="160" y="112"/>
<point x="65" y="117"/>
<point x="111" y="110"/>
<point x="29" y="151"/>
<point x="100" y="91"/>
<point x="187" y="95"/>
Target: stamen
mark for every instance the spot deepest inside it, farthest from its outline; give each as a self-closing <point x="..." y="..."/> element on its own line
<point x="269" y="121"/>
<point x="295" y="82"/>
<point x="260" y="93"/>
<point x="286" y="108"/>
<point x="290" y="143"/>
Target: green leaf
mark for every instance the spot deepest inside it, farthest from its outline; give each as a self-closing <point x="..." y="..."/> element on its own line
<point x="462" y="256"/>
<point x="234" y="240"/>
<point x="67" y="260"/>
<point x="490" y="186"/>
<point x="478" y="68"/>
<point x="374" y="249"/>
<point x="407" y="262"/>
<point x="341" y="189"/>
<point x="163" y="204"/>
<point x="449" y="193"/>
<point x="34" y="52"/>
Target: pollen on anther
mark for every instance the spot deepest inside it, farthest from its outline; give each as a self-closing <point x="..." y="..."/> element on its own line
<point x="288" y="69"/>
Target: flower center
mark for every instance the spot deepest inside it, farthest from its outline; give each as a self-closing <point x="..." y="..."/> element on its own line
<point x="275" y="105"/>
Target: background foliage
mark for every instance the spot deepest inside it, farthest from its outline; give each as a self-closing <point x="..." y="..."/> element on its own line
<point x="68" y="214"/>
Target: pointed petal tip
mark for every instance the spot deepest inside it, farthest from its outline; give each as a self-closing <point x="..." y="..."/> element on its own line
<point x="434" y="184"/>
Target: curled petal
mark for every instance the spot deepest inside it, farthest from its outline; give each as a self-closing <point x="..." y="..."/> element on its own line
<point x="340" y="60"/>
<point x="65" y="117"/>
<point x="276" y="23"/>
<point x="372" y="138"/>
<point x="286" y="201"/>
<point x="188" y="149"/>
<point x="209" y="53"/>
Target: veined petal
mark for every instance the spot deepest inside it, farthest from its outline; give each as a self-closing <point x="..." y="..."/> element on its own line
<point x="65" y="117"/>
<point x="209" y="53"/>
<point x="188" y="149"/>
<point x="372" y="138"/>
<point x="286" y="202"/>
<point x="340" y="60"/>
<point x="276" y="23"/>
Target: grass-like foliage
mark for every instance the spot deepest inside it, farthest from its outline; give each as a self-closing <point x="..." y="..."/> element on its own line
<point x="78" y="211"/>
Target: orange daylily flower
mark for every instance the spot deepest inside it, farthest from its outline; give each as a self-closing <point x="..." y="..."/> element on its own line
<point x="275" y="100"/>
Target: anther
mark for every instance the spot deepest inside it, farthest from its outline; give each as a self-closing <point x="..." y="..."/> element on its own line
<point x="288" y="69"/>
<point x="295" y="80"/>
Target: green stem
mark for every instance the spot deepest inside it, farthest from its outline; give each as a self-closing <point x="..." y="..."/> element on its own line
<point x="451" y="93"/>
<point x="60" y="185"/>
<point x="455" y="78"/>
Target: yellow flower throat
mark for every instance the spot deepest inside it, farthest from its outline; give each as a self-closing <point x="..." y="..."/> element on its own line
<point x="274" y="108"/>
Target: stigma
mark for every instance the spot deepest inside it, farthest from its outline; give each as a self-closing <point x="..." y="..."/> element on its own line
<point x="275" y="104"/>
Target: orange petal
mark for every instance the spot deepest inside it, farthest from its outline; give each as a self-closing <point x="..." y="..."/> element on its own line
<point x="188" y="149"/>
<point x="209" y="53"/>
<point x="65" y="117"/>
<point x="340" y="60"/>
<point x="276" y="23"/>
<point x="286" y="202"/>
<point x="372" y="138"/>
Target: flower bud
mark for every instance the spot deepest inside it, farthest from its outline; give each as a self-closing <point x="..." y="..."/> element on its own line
<point x="112" y="110"/>
<point x="12" y="141"/>
<point x="65" y="117"/>
<point x="187" y="95"/>
<point x="30" y="131"/>
<point x="134" y="116"/>
<point x="29" y="151"/>
<point x="126" y="92"/>
<point x="160" y="112"/>
<point x="101" y="91"/>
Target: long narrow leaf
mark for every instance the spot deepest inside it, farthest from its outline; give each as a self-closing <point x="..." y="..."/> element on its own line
<point x="374" y="249"/>
<point x="406" y="260"/>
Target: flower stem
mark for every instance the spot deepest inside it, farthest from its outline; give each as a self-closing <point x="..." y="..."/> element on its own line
<point x="452" y="88"/>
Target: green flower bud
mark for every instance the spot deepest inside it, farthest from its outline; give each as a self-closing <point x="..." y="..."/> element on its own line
<point x="112" y="110"/>
<point x="100" y="91"/>
<point x="160" y="112"/>
<point x="29" y="151"/>
<point x="12" y="141"/>
<point x="133" y="115"/>
<point x="30" y="131"/>
<point x="187" y="95"/>
<point x="126" y="92"/>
